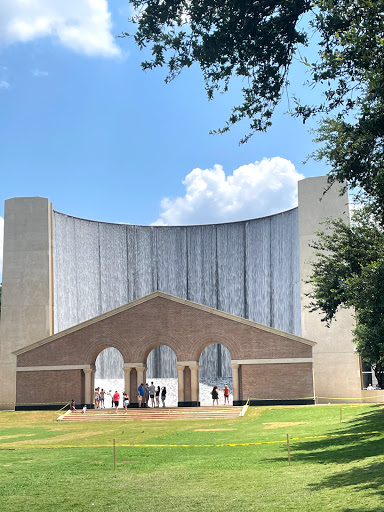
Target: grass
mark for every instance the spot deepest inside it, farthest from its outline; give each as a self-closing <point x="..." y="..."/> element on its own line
<point x="39" y="472"/>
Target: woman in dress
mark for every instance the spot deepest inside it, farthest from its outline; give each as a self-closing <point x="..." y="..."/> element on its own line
<point x="226" y="394"/>
<point x="215" y="395"/>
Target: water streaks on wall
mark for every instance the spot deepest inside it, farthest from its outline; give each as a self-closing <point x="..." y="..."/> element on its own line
<point x="249" y="268"/>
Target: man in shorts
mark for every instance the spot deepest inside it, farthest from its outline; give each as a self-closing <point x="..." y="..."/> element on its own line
<point x="116" y="398"/>
<point x="140" y="394"/>
<point x="152" y="391"/>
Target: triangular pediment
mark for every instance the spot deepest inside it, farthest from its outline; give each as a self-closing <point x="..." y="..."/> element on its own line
<point x="166" y="296"/>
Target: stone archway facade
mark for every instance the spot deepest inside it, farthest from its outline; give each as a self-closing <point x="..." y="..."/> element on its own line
<point x="267" y="364"/>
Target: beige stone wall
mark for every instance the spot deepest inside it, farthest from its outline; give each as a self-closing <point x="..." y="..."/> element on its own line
<point x="27" y="309"/>
<point x="336" y="365"/>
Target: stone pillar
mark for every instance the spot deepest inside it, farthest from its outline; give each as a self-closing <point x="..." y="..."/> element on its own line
<point x="195" y="383"/>
<point x="127" y="381"/>
<point x="27" y="295"/>
<point x="180" y="382"/>
<point x="93" y="386"/>
<point x="88" y="390"/>
<point x="235" y="383"/>
<point x="140" y="371"/>
<point x="335" y="362"/>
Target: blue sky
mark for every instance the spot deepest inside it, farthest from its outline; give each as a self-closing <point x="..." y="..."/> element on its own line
<point x="83" y="125"/>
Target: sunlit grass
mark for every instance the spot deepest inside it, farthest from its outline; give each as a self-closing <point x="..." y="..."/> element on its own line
<point x="342" y="473"/>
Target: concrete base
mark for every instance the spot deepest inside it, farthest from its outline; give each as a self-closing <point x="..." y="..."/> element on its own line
<point x="275" y="402"/>
<point x="188" y="404"/>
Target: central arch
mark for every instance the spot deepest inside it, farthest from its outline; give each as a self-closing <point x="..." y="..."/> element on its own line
<point x="161" y="370"/>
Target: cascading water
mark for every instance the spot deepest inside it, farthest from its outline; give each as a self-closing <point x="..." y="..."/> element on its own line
<point x="249" y="269"/>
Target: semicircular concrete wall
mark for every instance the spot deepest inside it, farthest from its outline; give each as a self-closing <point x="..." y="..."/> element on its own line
<point x="250" y="269"/>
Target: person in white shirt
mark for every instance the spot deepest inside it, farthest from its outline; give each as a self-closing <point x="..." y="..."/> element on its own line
<point x="152" y="391"/>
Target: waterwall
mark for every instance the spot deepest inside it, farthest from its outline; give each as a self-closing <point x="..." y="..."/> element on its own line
<point x="249" y="268"/>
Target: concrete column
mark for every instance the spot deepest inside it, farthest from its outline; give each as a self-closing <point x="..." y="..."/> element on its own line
<point x="140" y="375"/>
<point x="180" y="382"/>
<point x="93" y="385"/>
<point x="88" y="390"/>
<point x="27" y="295"/>
<point x="336" y="364"/>
<point x="127" y="381"/>
<point x="194" y="382"/>
<point x="235" y="381"/>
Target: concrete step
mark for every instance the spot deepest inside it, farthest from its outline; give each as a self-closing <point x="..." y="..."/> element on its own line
<point x="179" y="413"/>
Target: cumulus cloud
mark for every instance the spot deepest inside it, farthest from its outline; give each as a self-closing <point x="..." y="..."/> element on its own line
<point x="253" y="190"/>
<point x="4" y="84"/>
<point x="81" y="25"/>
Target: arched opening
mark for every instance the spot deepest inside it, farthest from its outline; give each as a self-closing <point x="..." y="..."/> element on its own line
<point x="161" y="364"/>
<point x="215" y="370"/>
<point x="109" y="375"/>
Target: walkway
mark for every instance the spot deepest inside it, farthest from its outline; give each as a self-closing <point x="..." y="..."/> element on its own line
<point x="172" y="413"/>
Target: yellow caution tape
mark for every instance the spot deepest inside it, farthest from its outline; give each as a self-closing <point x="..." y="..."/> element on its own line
<point x="57" y="412"/>
<point x="221" y="445"/>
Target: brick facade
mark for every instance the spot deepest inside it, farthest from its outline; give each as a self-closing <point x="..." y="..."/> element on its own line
<point x="187" y="328"/>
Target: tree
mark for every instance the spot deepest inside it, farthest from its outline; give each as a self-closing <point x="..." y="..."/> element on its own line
<point x="349" y="272"/>
<point x="257" y="40"/>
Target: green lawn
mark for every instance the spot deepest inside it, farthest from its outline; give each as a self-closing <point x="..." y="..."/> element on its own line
<point x="47" y="465"/>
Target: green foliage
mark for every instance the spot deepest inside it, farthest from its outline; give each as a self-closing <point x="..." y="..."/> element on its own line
<point x="227" y="38"/>
<point x="256" y="40"/>
<point x="349" y="272"/>
<point x="352" y="65"/>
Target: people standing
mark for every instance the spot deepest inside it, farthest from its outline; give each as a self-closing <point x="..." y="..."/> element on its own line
<point x="125" y="401"/>
<point x="163" y="395"/>
<point x="152" y="390"/>
<point x="226" y="394"/>
<point x="97" y="398"/>
<point x="215" y="395"/>
<point x="116" y="398"/>
<point x="146" y="394"/>
<point x="73" y="405"/>
<point x="140" y="394"/>
<point x="111" y="395"/>
<point x="157" y="394"/>
<point x="102" y="394"/>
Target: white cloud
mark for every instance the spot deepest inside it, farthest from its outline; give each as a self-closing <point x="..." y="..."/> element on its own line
<point x="37" y="73"/>
<point x="253" y="190"/>
<point x="4" y="84"/>
<point x="82" y="25"/>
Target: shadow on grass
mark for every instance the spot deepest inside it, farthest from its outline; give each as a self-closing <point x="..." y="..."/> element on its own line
<point x="367" y="478"/>
<point x="352" y="446"/>
<point x="352" y="441"/>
